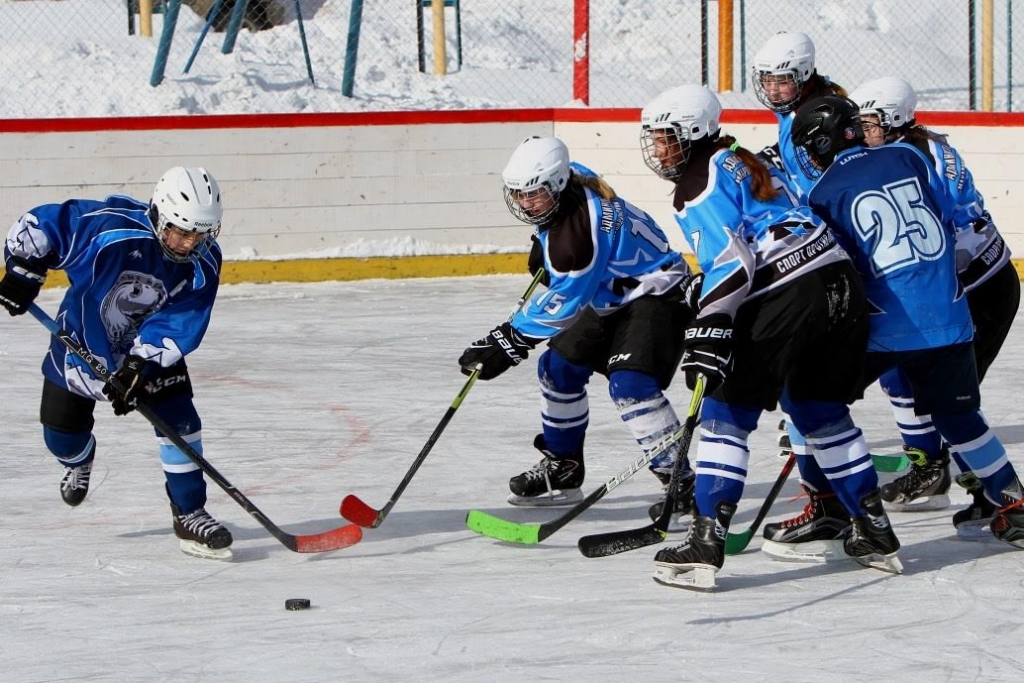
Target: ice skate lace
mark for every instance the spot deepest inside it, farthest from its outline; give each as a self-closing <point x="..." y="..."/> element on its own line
<point x="199" y="523"/>
<point x="541" y="471"/>
<point x="76" y="478"/>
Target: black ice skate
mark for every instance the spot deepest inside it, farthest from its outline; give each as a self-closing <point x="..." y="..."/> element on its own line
<point x="976" y="517"/>
<point x="695" y="563"/>
<point x="872" y="542"/>
<point x="683" y="504"/>
<point x="553" y="481"/>
<point x="201" y="535"/>
<point x="805" y="537"/>
<point x="74" y="485"/>
<point x="924" y="487"/>
<point x="1008" y="522"/>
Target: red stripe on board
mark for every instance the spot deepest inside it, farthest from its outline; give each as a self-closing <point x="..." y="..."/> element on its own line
<point x="405" y="118"/>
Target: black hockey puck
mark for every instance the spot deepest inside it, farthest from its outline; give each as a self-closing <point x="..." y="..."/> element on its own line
<point x="296" y="604"/>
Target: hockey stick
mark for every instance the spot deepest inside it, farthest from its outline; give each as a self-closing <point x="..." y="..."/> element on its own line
<point x="342" y="537"/>
<point x="531" y="534"/>
<point x="355" y="510"/>
<point x="612" y="543"/>
<point x="737" y="543"/>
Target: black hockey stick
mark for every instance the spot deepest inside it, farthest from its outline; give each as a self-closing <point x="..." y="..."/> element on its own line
<point x="738" y="542"/>
<point x="530" y="534"/>
<point x="342" y="537"/>
<point x="355" y="510"/>
<point x="614" y="542"/>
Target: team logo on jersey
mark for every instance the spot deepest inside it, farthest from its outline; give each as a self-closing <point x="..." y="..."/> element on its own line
<point x="133" y="298"/>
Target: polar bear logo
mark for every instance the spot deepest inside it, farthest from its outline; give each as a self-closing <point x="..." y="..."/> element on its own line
<point x="133" y="298"/>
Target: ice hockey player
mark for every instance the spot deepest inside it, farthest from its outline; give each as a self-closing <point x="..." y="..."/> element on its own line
<point x="896" y="217"/>
<point x="614" y="305"/>
<point x="888" y="113"/>
<point x="784" y="75"/>
<point x="143" y="279"/>
<point x="781" y="306"/>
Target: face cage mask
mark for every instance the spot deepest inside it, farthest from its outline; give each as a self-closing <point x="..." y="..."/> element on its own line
<point x="648" y="146"/>
<point x="160" y="227"/>
<point x="815" y="155"/>
<point x="512" y="201"/>
<point x="762" y="92"/>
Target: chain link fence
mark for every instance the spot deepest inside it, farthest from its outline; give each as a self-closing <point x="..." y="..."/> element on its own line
<point x="90" y="58"/>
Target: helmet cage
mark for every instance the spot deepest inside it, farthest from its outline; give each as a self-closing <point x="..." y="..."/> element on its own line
<point x="789" y="76"/>
<point x="162" y="227"/>
<point x="540" y="195"/>
<point x="678" y="143"/>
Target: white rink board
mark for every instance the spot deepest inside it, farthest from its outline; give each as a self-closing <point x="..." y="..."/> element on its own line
<point x="301" y="191"/>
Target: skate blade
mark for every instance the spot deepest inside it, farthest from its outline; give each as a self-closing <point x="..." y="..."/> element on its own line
<point x="821" y="552"/>
<point x="694" y="577"/>
<point x="552" y="499"/>
<point x="199" y="550"/>
<point x="809" y="552"/>
<point x="923" y="504"/>
<point x="976" y="531"/>
<point x="886" y="563"/>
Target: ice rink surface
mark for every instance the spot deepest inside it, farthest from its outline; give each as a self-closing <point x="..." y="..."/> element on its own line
<point x="311" y="392"/>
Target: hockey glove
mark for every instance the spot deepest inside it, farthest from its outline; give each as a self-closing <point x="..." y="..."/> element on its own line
<point x="496" y="353"/>
<point x="707" y="350"/>
<point x="691" y="293"/>
<point x="20" y="286"/>
<point x="131" y="377"/>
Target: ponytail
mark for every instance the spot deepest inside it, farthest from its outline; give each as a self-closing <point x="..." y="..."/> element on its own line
<point x="762" y="180"/>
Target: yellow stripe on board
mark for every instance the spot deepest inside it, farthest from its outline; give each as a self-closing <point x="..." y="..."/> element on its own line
<point x="388" y="268"/>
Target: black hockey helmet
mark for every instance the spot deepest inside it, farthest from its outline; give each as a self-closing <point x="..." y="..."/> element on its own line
<point x="825" y="126"/>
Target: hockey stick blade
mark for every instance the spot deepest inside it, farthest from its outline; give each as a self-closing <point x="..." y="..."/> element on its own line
<point x="531" y="534"/>
<point x="335" y="539"/>
<point x="356" y="511"/>
<point x="738" y="542"/>
<point x="890" y="462"/>
<point x="615" y="542"/>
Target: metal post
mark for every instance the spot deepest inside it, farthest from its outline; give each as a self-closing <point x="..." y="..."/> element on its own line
<point x="355" y="20"/>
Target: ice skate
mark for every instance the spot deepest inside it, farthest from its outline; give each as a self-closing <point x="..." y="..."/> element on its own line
<point x="680" y="520"/>
<point x="1007" y="523"/>
<point x="872" y="541"/>
<point x="811" y="535"/>
<point x="551" y="482"/>
<point x="972" y="522"/>
<point x="924" y="487"/>
<point x="74" y="485"/>
<point x="694" y="564"/>
<point x="200" y="535"/>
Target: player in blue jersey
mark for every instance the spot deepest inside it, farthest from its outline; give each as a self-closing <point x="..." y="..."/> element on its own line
<point x="897" y="217"/>
<point x="143" y="279"/>
<point x="784" y="75"/>
<point x="782" y="319"/>
<point x="614" y="305"/>
<point x="887" y="108"/>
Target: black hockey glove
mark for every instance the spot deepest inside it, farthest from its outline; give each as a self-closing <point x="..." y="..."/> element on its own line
<point x="707" y="350"/>
<point x="131" y="377"/>
<point x="691" y="293"/>
<point x="502" y="348"/>
<point x="20" y="286"/>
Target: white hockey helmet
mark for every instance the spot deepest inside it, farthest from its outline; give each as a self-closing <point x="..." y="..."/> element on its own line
<point x="670" y="124"/>
<point x="534" y="177"/>
<point x="784" y="57"/>
<point x="185" y="200"/>
<point x="891" y="99"/>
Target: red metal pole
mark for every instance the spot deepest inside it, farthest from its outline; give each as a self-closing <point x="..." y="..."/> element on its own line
<point x="581" y="51"/>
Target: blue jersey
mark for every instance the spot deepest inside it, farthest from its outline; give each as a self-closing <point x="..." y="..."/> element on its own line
<point x="124" y="295"/>
<point x="599" y="253"/>
<point x="980" y="250"/>
<point x="895" y="216"/>
<point x="746" y="246"/>
<point x="793" y="159"/>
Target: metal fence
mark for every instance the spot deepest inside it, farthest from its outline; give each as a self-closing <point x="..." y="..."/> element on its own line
<point x="89" y="58"/>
